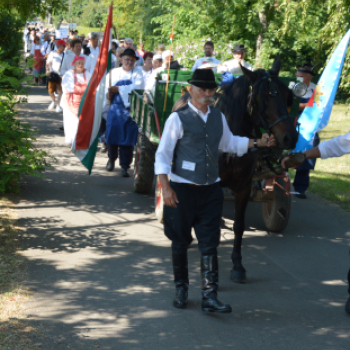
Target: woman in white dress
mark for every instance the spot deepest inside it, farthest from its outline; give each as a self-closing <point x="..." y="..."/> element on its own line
<point x="74" y="84"/>
<point x="147" y="68"/>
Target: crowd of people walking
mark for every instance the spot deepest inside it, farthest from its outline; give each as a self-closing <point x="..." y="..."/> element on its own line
<point x="65" y="66"/>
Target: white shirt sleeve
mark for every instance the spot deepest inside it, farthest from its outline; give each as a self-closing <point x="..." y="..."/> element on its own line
<point x="49" y="60"/>
<point x="32" y="49"/>
<point x="65" y="65"/>
<point x="196" y="65"/>
<point x="43" y="47"/>
<point x="139" y="82"/>
<point x="68" y="82"/>
<point x="171" y="134"/>
<point x="88" y="64"/>
<point x="335" y="147"/>
<point x="230" y="143"/>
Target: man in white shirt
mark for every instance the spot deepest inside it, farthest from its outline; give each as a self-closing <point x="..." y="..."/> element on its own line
<point x="129" y="44"/>
<point x="29" y="41"/>
<point x="53" y="65"/>
<point x="121" y="129"/>
<point x="188" y="154"/>
<point x="45" y="49"/>
<point x="76" y="50"/>
<point x="92" y="50"/>
<point x="302" y="176"/>
<point x="233" y="66"/>
<point x="167" y="58"/>
<point x="208" y="58"/>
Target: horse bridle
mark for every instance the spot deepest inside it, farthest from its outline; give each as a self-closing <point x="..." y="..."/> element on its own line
<point x="253" y="105"/>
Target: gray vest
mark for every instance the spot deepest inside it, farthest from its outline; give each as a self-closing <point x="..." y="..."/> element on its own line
<point x="197" y="152"/>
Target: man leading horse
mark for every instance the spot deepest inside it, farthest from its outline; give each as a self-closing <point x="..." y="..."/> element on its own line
<point x="188" y="154"/>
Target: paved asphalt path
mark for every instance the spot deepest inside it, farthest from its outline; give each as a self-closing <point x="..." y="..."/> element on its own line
<point x="100" y="267"/>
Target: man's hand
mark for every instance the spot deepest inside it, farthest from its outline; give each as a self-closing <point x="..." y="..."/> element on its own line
<point x="112" y="90"/>
<point x="283" y="162"/>
<point x="266" y="141"/>
<point x="294" y="160"/>
<point x="169" y="195"/>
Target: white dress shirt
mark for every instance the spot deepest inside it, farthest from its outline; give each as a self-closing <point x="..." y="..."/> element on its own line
<point x="151" y="81"/>
<point x="29" y="42"/>
<point x="94" y="52"/>
<point x="45" y="48"/>
<point x="118" y="74"/>
<point x="54" y="59"/>
<point x="203" y="60"/>
<point x="147" y="76"/>
<point x="173" y="131"/>
<point x="233" y="67"/>
<point x="309" y="91"/>
<point x="335" y="147"/>
<point x="68" y="59"/>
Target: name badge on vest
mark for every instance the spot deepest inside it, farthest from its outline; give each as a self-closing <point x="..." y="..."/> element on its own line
<point x="188" y="165"/>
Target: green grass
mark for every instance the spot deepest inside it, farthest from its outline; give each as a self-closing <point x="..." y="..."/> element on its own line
<point x="331" y="177"/>
<point x="86" y="30"/>
<point x="14" y="332"/>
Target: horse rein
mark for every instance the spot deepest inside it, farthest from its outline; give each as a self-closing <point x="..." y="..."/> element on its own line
<point x="251" y="102"/>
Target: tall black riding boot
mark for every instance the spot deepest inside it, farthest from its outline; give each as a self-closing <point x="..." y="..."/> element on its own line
<point x="181" y="280"/>
<point x="210" y="280"/>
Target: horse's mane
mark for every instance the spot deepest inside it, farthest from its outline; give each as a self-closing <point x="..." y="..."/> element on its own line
<point x="233" y="103"/>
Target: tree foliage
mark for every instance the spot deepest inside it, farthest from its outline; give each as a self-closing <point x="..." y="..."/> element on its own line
<point x="18" y="155"/>
<point x="27" y="9"/>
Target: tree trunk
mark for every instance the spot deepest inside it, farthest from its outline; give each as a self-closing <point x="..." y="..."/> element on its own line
<point x="259" y="41"/>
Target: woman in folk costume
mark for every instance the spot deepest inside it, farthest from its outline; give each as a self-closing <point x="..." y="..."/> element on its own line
<point x="147" y="68"/>
<point x="121" y="130"/>
<point x="74" y="84"/>
<point x="39" y="63"/>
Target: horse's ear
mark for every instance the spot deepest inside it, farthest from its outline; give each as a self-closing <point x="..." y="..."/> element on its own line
<point x="249" y="74"/>
<point x="276" y="66"/>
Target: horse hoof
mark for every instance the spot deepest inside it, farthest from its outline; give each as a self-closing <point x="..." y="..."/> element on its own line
<point x="238" y="276"/>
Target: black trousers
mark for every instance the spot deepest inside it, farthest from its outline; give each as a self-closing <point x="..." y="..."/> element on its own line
<point x="125" y="154"/>
<point x="102" y="127"/>
<point x="199" y="207"/>
<point x="349" y="281"/>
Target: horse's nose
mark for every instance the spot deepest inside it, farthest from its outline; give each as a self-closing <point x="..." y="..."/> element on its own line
<point x="290" y="140"/>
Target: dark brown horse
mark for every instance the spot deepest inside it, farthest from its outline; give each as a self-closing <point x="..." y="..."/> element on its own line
<point x="256" y="99"/>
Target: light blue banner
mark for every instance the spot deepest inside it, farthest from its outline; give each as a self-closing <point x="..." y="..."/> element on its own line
<point x="316" y="114"/>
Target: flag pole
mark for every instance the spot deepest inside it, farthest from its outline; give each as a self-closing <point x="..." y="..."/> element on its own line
<point x="110" y="55"/>
<point x="167" y="79"/>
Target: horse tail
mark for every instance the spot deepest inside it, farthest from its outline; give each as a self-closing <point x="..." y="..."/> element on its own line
<point x="182" y="101"/>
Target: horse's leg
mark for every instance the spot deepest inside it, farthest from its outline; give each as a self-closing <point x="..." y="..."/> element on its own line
<point x="238" y="273"/>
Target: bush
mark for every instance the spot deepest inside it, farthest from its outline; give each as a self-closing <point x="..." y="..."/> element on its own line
<point x="18" y="155"/>
<point x="10" y="41"/>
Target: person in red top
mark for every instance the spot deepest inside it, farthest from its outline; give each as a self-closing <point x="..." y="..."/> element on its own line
<point x="39" y="63"/>
<point x="74" y="84"/>
<point x="141" y="52"/>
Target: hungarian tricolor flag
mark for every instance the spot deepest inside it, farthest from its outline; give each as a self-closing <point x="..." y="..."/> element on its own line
<point x="90" y="109"/>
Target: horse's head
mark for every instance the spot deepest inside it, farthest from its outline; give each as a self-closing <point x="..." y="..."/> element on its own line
<point x="268" y="103"/>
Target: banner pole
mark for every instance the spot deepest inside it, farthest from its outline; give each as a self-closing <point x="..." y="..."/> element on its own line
<point x="110" y="56"/>
<point x="167" y="79"/>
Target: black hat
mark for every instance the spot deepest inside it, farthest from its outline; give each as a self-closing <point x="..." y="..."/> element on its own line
<point x="129" y="52"/>
<point x="203" y="78"/>
<point x="239" y="48"/>
<point x="306" y="68"/>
